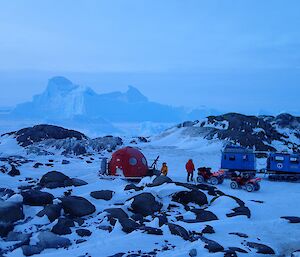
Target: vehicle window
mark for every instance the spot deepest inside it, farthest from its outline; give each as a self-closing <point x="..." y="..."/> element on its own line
<point x="279" y="158"/>
<point x="294" y="160"/>
<point x="133" y="161"/>
<point x="232" y="158"/>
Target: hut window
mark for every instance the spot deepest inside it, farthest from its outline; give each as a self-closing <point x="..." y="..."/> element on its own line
<point x="232" y="158"/>
<point x="133" y="161"/>
<point x="144" y="161"/>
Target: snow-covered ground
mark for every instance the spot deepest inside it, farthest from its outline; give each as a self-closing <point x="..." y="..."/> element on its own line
<point x="265" y="225"/>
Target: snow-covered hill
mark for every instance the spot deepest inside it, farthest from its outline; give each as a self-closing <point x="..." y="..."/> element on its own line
<point x="263" y="133"/>
<point x="57" y="205"/>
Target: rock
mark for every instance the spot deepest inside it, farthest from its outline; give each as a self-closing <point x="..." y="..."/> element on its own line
<point x="193" y="196"/>
<point x="64" y="162"/>
<point x="37" y="165"/>
<point x="83" y="232"/>
<point x="203" y="215"/>
<point x="242" y="235"/>
<point x="78" y="182"/>
<point x="292" y="219"/>
<point x="117" y="213"/>
<point x="18" y="236"/>
<point x="80" y="241"/>
<point x="237" y="249"/>
<point x="193" y="253"/>
<point x="133" y="187"/>
<point x="29" y="250"/>
<point x="37" y="198"/>
<point x="152" y="231"/>
<point x="102" y="194"/>
<point x="6" y="192"/>
<point x="54" y="178"/>
<point x="77" y="206"/>
<point x="28" y="136"/>
<point x="14" y="171"/>
<point x="208" y="230"/>
<point x="212" y="246"/>
<point x="145" y="204"/>
<point x="239" y="211"/>
<point x="261" y="248"/>
<point x="5" y="228"/>
<point x="11" y="212"/>
<point x="62" y="227"/>
<point x="178" y="231"/>
<point x="53" y="211"/>
<point x="50" y="240"/>
<point x="162" y="219"/>
<point x="128" y="225"/>
<point x="160" y="180"/>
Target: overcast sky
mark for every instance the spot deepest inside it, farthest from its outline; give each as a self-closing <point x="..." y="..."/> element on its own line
<point x="236" y="55"/>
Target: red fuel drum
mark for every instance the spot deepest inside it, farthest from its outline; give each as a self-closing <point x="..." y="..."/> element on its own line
<point x="130" y="161"/>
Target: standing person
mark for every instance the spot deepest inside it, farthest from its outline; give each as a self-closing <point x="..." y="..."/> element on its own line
<point x="190" y="167"/>
<point x="164" y="169"/>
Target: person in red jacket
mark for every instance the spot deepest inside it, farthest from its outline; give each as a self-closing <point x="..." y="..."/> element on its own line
<point x="190" y="167"/>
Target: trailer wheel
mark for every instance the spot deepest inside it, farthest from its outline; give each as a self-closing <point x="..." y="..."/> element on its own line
<point x="234" y="185"/>
<point x="214" y="181"/>
<point x="250" y="187"/>
<point x="200" y="179"/>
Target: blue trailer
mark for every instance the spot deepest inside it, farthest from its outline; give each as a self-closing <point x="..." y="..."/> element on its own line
<point x="237" y="158"/>
<point x="283" y="166"/>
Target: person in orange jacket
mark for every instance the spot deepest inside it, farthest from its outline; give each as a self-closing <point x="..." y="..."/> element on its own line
<point x="164" y="169"/>
<point x="190" y="167"/>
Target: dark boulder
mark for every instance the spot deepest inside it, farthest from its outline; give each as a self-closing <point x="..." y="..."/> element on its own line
<point x="14" y="171"/>
<point x="179" y="231"/>
<point x="292" y="219"/>
<point x="52" y="211"/>
<point x="64" y="162"/>
<point x="152" y="231"/>
<point x="203" y="215"/>
<point x="24" y="239"/>
<point x="83" y="232"/>
<point x="5" y="228"/>
<point x="160" y="180"/>
<point x="62" y="227"/>
<point x="193" y="196"/>
<point x="261" y="248"/>
<point x="102" y="194"/>
<point x="208" y="230"/>
<point x="54" y="179"/>
<point x="37" y="198"/>
<point x="11" y="212"/>
<point x="29" y="250"/>
<point x="78" y="182"/>
<point x="145" y="204"/>
<point x="128" y="225"/>
<point x="50" y="240"/>
<point x="240" y="211"/>
<point x="28" y="136"/>
<point x="133" y="187"/>
<point x="77" y="206"/>
<point x="6" y="192"/>
<point x="37" y="165"/>
<point x="237" y="249"/>
<point x="212" y="246"/>
<point x="117" y="213"/>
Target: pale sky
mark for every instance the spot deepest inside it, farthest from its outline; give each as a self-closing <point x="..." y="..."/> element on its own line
<point x="235" y="55"/>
